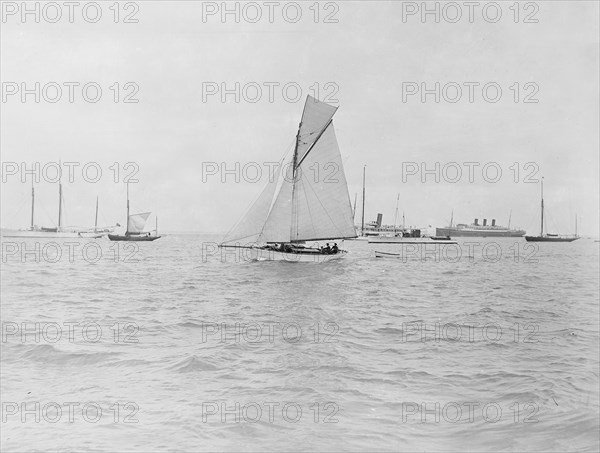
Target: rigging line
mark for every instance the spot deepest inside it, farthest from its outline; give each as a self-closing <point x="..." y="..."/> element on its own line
<point x="303" y="138"/>
<point x="315" y="142"/>
<point x="23" y="202"/>
<point x="307" y="135"/>
<point x="47" y="215"/>
<point x="554" y="227"/>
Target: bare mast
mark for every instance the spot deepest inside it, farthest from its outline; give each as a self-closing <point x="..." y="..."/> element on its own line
<point x="396" y="215"/>
<point x="542" y="219"/>
<point x="362" y="225"/>
<point x="59" y="203"/>
<point x="96" y="218"/>
<point x="127" y="218"/>
<point x="32" y="203"/>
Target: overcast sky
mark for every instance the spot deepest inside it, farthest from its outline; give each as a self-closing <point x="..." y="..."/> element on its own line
<point x="360" y="63"/>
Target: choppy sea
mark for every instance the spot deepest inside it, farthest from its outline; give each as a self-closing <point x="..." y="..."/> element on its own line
<point x="173" y="346"/>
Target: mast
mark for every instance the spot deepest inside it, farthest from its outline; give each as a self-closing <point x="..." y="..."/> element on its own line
<point x="296" y="164"/>
<point x="575" y="224"/>
<point x="509" y="217"/>
<point x="451" y="218"/>
<point x="59" y="196"/>
<point x="59" y="204"/>
<point x="96" y="218"/>
<point x="403" y="227"/>
<point x="362" y="225"/>
<point x="127" y="218"/>
<point x="32" y="203"/>
<point x="354" y="208"/>
<point x="293" y="225"/>
<point x="542" y="220"/>
<point x="396" y="215"/>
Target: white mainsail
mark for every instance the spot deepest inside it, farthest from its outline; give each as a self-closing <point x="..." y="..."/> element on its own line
<point x="322" y="209"/>
<point x="308" y="199"/>
<point x="137" y="222"/>
<point x="277" y="226"/>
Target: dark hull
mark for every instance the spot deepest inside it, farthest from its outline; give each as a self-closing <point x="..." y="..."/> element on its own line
<point x="548" y="239"/>
<point x="132" y="238"/>
<point x="306" y="255"/>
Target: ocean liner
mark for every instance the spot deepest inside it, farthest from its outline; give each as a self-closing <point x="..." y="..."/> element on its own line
<point x="477" y="230"/>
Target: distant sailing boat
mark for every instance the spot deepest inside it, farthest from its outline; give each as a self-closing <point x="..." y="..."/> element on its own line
<point x="297" y="206"/>
<point x="135" y="227"/>
<point x="550" y="237"/>
<point x="57" y="232"/>
<point x="98" y="231"/>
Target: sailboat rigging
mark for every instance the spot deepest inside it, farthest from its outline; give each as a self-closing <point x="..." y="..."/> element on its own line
<point x="362" y="225"/>
<point x="96" y="217"/>
<point x="135" y="227"/>
<point x="58" y="231"/>
<point x="295" y="207"/>
<point x="549" y="237"/>
<point x="396" y="214"/>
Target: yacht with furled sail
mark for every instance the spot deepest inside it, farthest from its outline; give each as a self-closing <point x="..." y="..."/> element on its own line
<point x="550" y="237"/>
<point x="57" y="232"/>
<point x="136" y="223"/>
<point x="296" y="207"/>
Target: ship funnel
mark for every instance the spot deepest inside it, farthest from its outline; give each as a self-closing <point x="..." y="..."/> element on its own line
<point x="476" y="222"/>
<point x="379" y="220"/>
<point x="493" y="222"/>
<point x="484" y="222"/>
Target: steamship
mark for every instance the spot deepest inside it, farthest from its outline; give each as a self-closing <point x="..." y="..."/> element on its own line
<point x="376" y="232"/>
<point x="376" y="228"/>
<point x="480" y="231"/>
